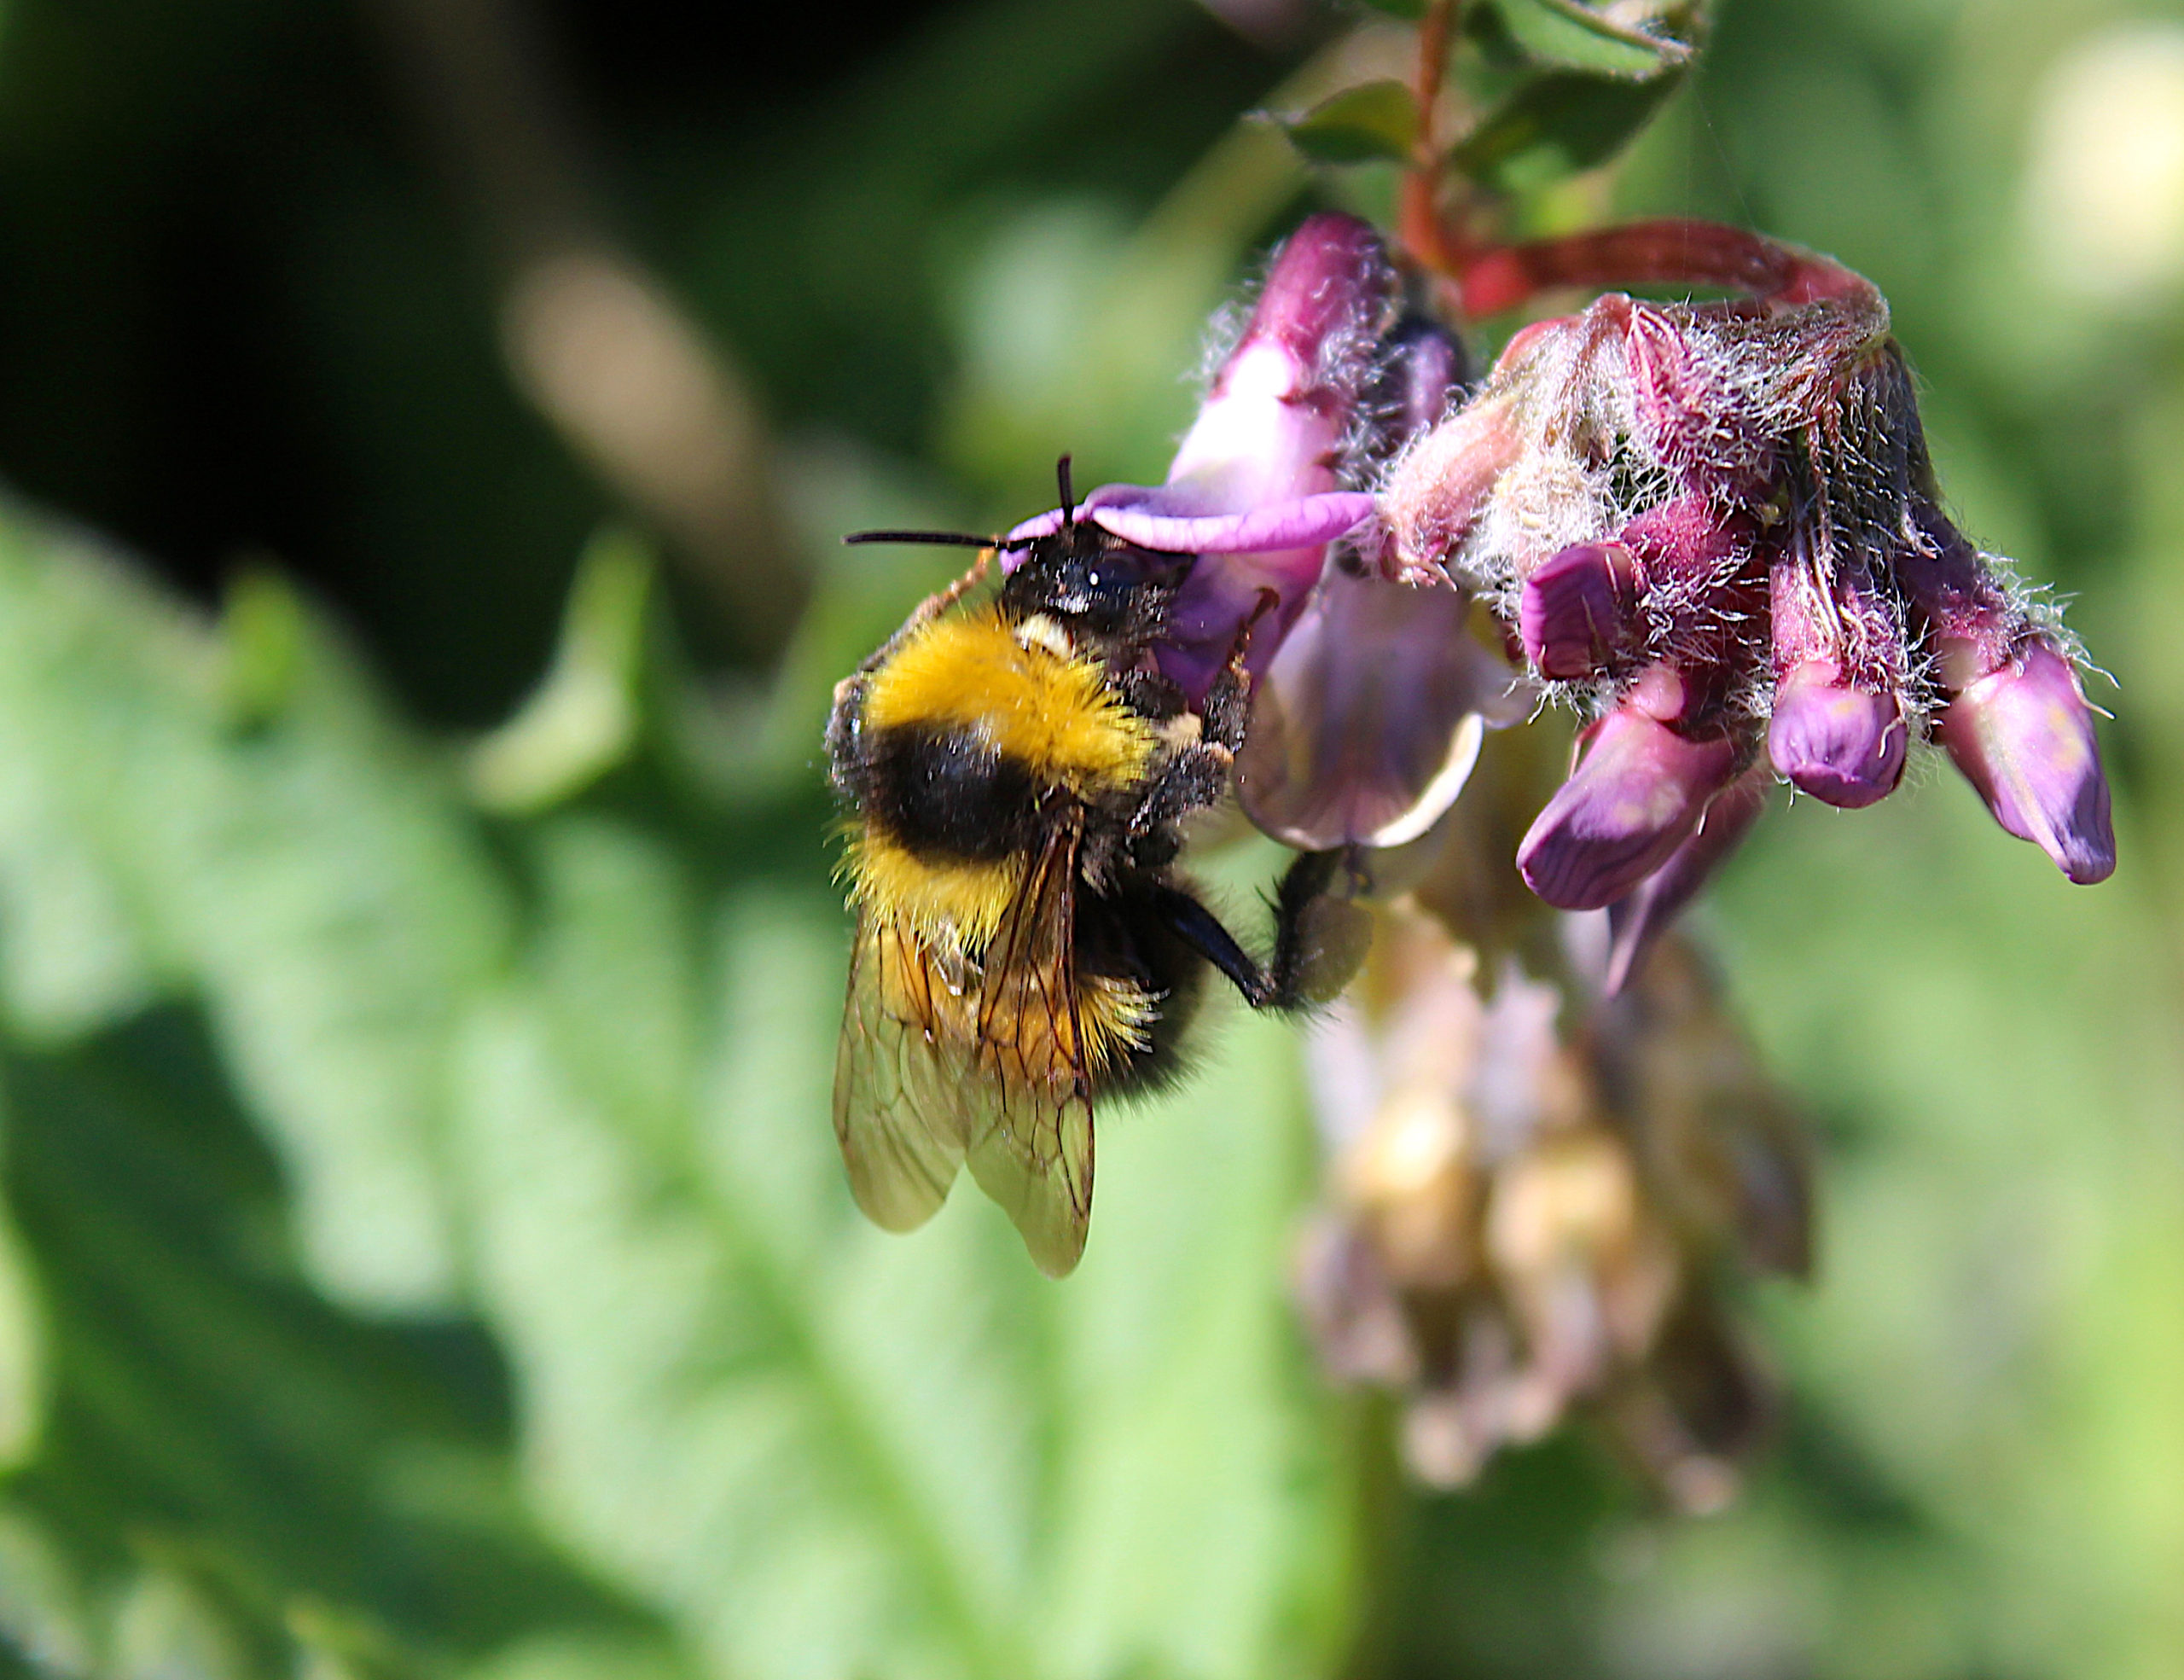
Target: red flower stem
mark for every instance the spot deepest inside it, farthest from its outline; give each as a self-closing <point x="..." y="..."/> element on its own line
<point x="1426" y="236"/>
<point x="1669" y="251"/>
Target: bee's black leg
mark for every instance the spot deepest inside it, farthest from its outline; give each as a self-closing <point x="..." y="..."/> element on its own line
<point x="1194" y="778"/>
<point x="1318" y="940"/>
<point x="1197" y="927"/>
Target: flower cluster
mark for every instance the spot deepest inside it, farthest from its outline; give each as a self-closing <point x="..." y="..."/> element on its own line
<point x="1717" y="528"/>
<point x="1532" y="1193"/>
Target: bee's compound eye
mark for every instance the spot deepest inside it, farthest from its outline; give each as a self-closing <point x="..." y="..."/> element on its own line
<point x="949" y="792"/>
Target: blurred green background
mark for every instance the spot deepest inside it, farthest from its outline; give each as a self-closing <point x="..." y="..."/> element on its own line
<point x="425" y="1250"/>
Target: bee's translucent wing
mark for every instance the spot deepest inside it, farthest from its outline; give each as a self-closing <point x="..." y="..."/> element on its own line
<point x="1029" y="1135"/>
<point x="941" y="1059"/>
<point x="901" y="1102"/>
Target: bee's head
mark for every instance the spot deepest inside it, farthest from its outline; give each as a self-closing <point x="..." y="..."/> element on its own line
<point x="1103" y="590"/>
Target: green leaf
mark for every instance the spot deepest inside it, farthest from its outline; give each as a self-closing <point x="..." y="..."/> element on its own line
<point x="824" y="1450"/>
<point x="288" y="1454"/>
<point x="1413" y="10"/>
<point x="583" y="717"/>
<point x="22" y="1353"/>
<point x="1572" y="35"/>
<point x="1555" y="126"/>
<point x="43" y="1616"/>
<point x="1373" y="122"/>
<point x="267" y="842"/>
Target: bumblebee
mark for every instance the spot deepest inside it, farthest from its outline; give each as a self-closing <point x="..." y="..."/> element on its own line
<point x="1015" y="774"/>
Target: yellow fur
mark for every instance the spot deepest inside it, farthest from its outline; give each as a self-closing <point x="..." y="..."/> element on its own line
<point x="1116" y="1017"/>
<point x="1052" y="714"/>
<point x="941" y="901"/>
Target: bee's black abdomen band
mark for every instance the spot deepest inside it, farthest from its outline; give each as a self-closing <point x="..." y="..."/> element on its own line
<point x="947" y="794"/>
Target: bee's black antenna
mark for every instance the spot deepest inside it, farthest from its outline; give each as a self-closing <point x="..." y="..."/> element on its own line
<point x="947" y="539"/>
<point x="1068" y="499"/>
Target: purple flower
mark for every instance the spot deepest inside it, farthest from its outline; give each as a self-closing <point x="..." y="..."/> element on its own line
<point x="1370" y="716"/>
<point x="1370" y="696"/>
<point x="1577" y="612"/>
<point x="2022" y="734"/>
<point x="1256" y="481"/>
<point x="1840" y="743"/>
<point x="1738" y="495"/>
<point x="1635" y="798"/>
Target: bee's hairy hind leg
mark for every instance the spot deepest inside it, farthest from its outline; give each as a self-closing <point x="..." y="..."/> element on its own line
<point x="1320" y="937"/>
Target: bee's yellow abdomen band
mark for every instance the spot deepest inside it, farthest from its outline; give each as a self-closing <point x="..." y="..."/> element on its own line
<point x="943" y="900"/>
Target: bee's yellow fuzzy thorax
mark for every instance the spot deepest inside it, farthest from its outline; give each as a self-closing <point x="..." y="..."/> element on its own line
<point x="1051" y="712"/>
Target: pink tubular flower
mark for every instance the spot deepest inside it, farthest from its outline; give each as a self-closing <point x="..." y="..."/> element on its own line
<point x="1370" y="696"/>
<point x="1256" y="480"/>
<point x="1736" y="498"/>
<point x="1635" y="797"/>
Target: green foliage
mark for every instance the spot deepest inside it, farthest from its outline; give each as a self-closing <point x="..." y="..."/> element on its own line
<point x="1567" y="87"/>
<point x="1574" y="36"/>
<point x="1374" y="120"/>
<point x="1557" y="123"/>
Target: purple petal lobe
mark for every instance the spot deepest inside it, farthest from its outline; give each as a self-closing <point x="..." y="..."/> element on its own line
<point x="1308" y="522"/>
<point x="1635" y="921"/>
<point x="2023" y="737"/>
<point x="1222" y="595"/>
<point x="1370" y="716"/>
<point x="1576" y="610"/>
<point x="1639" y="793"/>
<point x="1839" y="743"/>
<point x="1042" y="524"/>
<point x="1179" y="519"/>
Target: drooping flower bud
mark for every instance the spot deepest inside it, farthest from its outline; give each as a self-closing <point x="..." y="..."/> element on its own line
<point x="1635" y="797"/>
<point x="1837" y="730"/>
<point x="2024" y="736"/>
<point x="1840" y="743"/>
